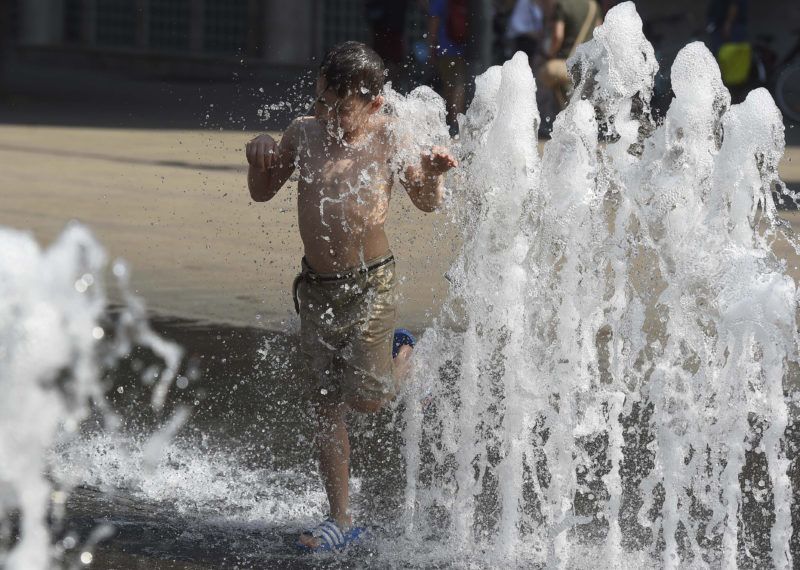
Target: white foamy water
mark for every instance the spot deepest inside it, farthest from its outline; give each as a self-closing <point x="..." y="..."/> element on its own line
<point x="209" y="486"/>
<point x="53" y="349"/>
<point x="618" y="332"/>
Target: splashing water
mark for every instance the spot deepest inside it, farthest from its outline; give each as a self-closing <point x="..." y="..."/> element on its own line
<point x="212" y="485"/>
<point x="618" y="337"/>
<point x="614" y="357"/>
<point x="53" y="349"/>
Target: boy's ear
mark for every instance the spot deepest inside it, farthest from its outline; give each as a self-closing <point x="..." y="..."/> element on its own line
<point x="376" y="104"/>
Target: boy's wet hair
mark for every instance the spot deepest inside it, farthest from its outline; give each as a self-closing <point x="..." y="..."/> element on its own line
<point x="353" y="68"/>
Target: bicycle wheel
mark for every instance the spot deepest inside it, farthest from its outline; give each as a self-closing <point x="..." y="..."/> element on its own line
<point x="787" y="91"/>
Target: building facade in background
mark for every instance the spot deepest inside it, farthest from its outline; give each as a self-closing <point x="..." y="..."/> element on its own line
<point x="194" y="36"/>
<point x="270" y="31"/>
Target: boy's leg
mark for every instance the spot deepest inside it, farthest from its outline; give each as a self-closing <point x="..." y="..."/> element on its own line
<point x="334" y="445"/>
<point x="334" y="458"/>
<point x="365" y="384"/>
<point x="334" y="463"/>
<point x="401" y="365"/>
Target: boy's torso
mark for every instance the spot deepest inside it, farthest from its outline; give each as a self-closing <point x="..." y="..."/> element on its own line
<point x="343" y="197"/>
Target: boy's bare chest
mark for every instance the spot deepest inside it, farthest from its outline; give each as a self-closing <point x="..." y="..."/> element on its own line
<point x="338" y="176"/>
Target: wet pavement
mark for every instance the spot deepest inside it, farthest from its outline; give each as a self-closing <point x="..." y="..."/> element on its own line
<point x="239" y="480"/>
<point x="250" y="432"/>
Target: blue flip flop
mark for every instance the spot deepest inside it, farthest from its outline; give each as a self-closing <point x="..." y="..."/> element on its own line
<point x="402" y="337"/>
<point x="332" y="537"/>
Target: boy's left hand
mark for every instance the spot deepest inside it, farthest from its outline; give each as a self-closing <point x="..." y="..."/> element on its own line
<point x="437" y="161"/>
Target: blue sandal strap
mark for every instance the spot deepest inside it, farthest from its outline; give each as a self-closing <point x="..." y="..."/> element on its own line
<point x="402" y="337"/>
<point x="330" y="533"/>
<point x="332" y="537"/>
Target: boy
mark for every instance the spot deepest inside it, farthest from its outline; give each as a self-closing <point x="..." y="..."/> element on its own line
<point x="345" y="293"/>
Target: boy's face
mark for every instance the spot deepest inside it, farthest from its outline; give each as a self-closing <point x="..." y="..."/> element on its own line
<point x="348" y="114"/>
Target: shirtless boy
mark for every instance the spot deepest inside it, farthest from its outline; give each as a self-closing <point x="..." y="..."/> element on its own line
<point x="345" y="293"/>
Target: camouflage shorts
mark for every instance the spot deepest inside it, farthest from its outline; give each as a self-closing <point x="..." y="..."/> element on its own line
<point x="346" y="329"/>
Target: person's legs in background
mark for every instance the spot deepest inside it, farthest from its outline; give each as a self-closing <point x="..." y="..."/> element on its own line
<point x="390" y="45"/>
<point x="554" y="76"/>
<point x="453" y="71"/>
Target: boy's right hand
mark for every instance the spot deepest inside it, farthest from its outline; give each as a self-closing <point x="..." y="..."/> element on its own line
<point x="262" y="152"/>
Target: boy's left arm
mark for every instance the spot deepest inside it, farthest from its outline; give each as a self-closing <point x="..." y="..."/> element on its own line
<point x="425" y="182"/>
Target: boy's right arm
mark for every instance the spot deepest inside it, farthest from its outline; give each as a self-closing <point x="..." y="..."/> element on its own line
<point x="271" y="163"/>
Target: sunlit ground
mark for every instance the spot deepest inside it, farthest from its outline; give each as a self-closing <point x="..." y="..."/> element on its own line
<point x="175" y="205"/>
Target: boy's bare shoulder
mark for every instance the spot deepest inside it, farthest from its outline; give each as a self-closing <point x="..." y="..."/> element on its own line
<point x="301" y="126"/>
<point x="298" y="134"/>
<point x="305" y="121"/>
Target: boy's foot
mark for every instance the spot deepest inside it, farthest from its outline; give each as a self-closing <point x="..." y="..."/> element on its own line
<point x="328" y="536"/>
<point x="402" y="337"/>
<point x="402" y="347"/>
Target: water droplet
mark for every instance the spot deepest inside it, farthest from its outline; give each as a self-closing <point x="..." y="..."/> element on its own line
<point x="120" y="269"/>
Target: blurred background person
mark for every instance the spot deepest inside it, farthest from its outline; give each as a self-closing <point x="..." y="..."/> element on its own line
<point x="572" y="24"/>
<point x="526" y="29"/>
<point x="448" y="30"/>
<point x="729" y="42"/>
<point x="387" y="20"/>
<point x="502" y="46"/>
<point x="727" y="22"/>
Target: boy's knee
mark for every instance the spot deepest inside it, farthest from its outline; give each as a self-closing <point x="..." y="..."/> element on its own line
<point x="328" y="408"/>
<point x="367" y="406"/>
